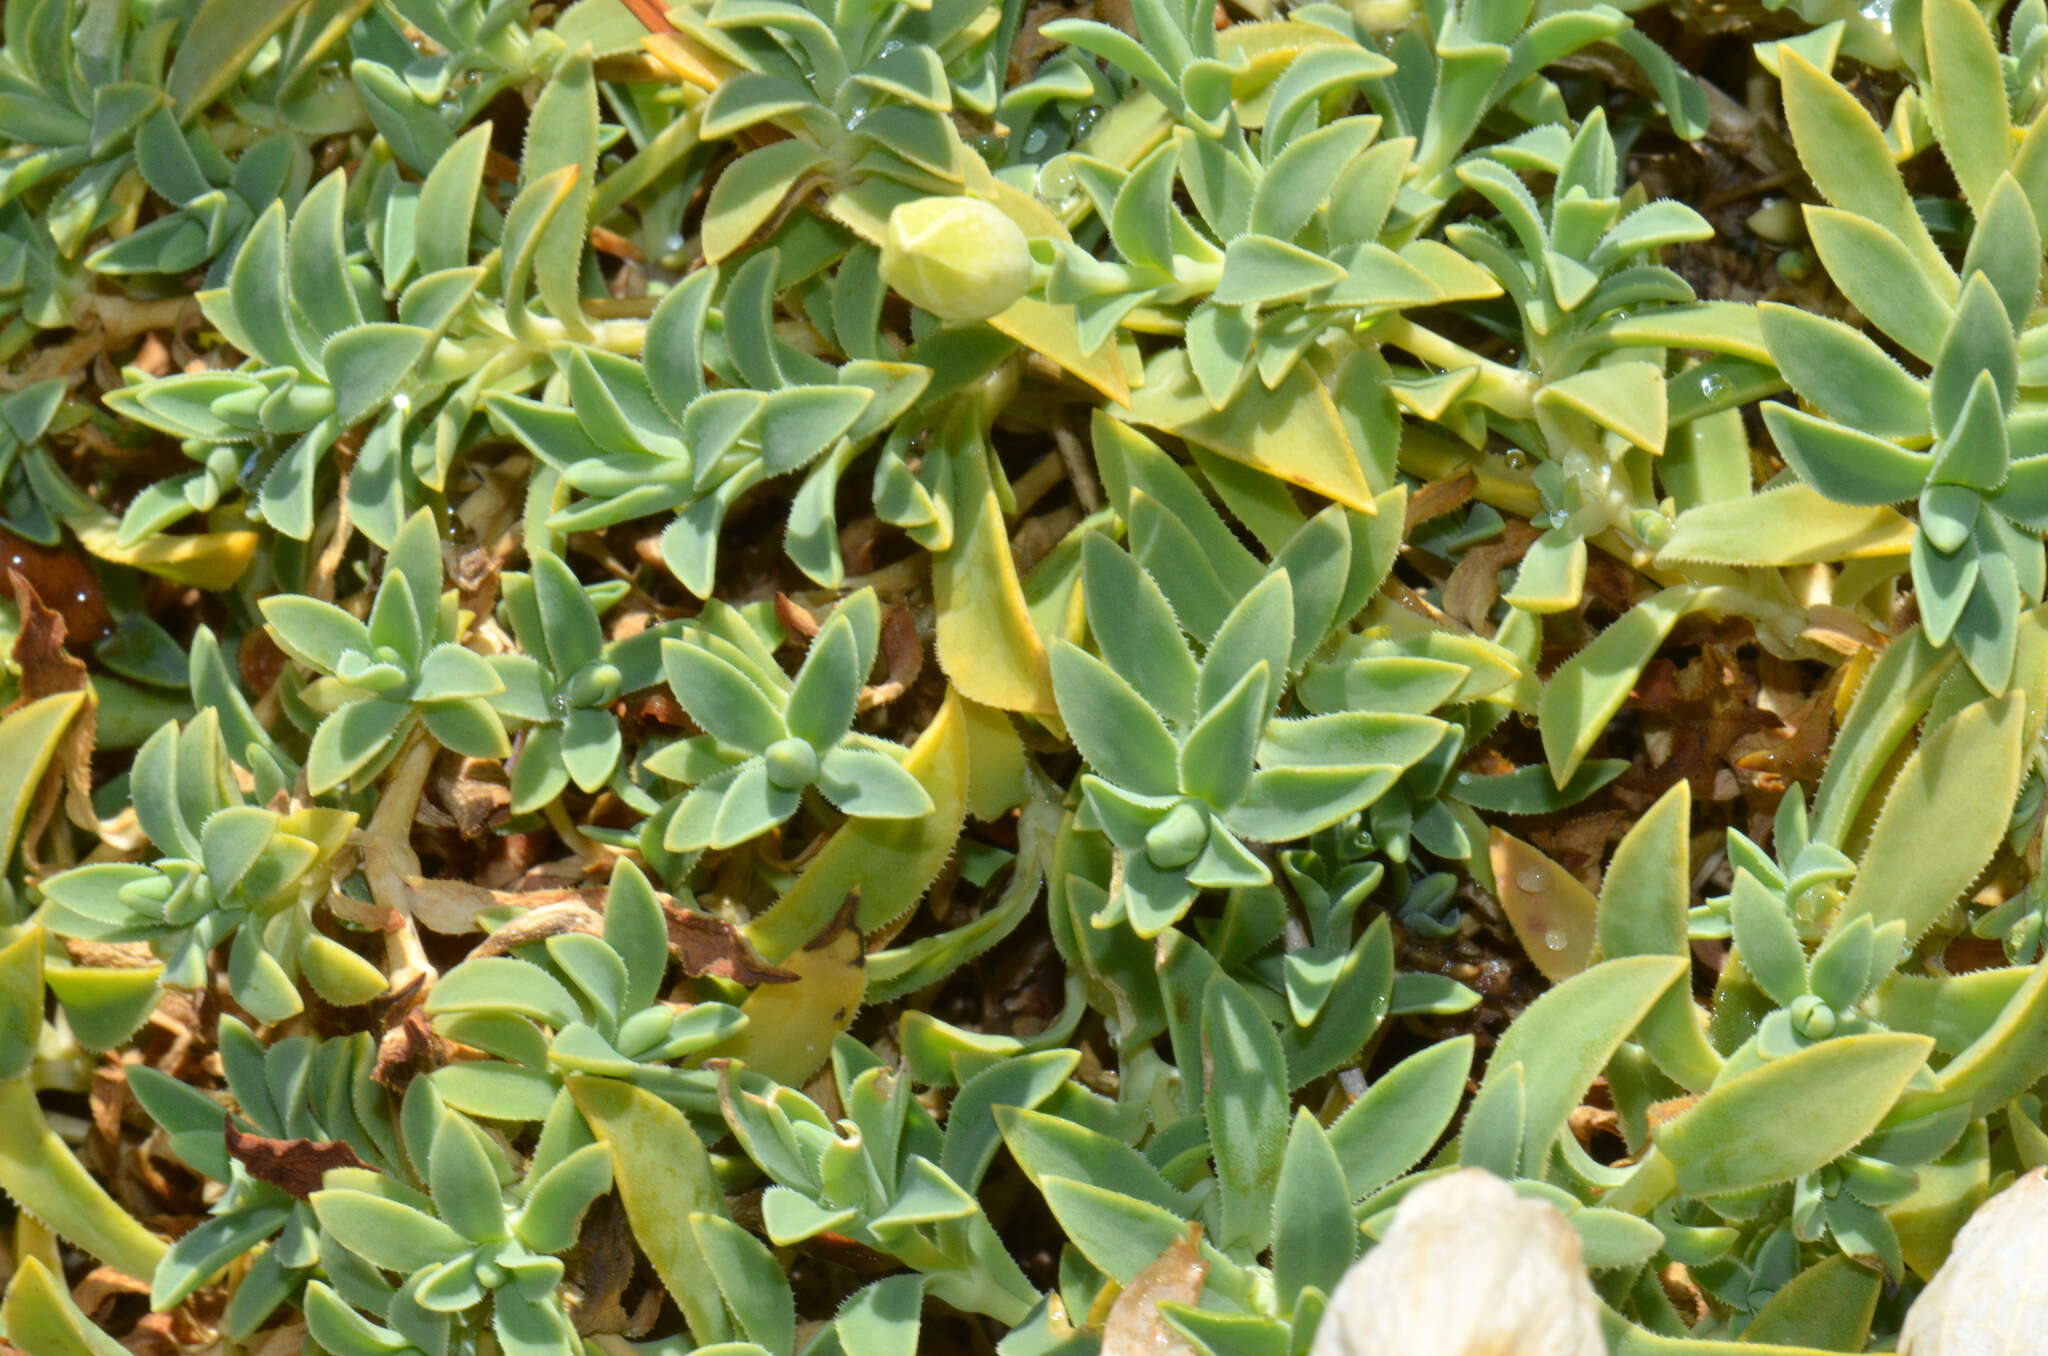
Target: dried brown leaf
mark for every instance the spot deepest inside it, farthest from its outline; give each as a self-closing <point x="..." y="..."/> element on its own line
<point x="794" y="618"/>
<point x="1439" y="497"/>
<point x="706" y="945"/>
<point x="293" y="1165"/>
<point x="567" y="911"/>
<point x="407" y="1050"/>
<point x="47" y="668"/>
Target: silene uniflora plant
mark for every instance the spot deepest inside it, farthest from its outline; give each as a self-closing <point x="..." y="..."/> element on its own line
<point x="781" y="678"/>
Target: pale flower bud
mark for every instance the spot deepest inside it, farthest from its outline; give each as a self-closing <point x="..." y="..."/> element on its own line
<point x="1987" y="1299"/>
<point x="1469" y="1268"/>
<point x="959" y="258"/>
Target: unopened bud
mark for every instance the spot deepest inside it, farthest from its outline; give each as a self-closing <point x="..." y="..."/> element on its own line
<point x="959" y="258"/>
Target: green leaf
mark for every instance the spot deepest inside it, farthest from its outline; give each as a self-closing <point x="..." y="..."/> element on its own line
<point x="1766" y="940"/>
<point x="1979" y="345"/>
<point x="1530" y="790"/>
<point x="2008" y="1055"/>
<point x="827" y="688"/>
<point x="1258" y="630"/>
<point x="1882" y="279"/>
<point x="367" y="364"/>
<point x="1922" y="855"/>
<point x="464" y="1186"/>
<point x="2006" y="249"/>
<point x="446" y="213"/>
<point x="1119" y="1235"/>
<point x="1314" y="1240"/>
<point x="1844" y="373"/>
<point x="223" y="37"/>
<point x="749" y="1279"/>
<point x="1361" y="990"/>
<point x="1023" y="1081"/>
<point x="1259" y="270"/>
<point x="40" y="1316"/>
<point x="664" y="1177"/>
<point x="1648" y="883"/>
<point x="1791" y="1115"/>
<point x="504" y="984"/>
<point x="882" y="1318"/>
<point x="1844" y="153"/>
<point x="316" y="634"/>
<point x="452" y="673"/>
<point x="1047" y="1147"/>
<point x="1400" y="1118"/>
<point x="1846" y="466"/>
<point x="468" y="726"/>
<point x="1829" y="1305"/>
<point x="414" y="131"/>
<point x="349" y="740"/>
<point x="870" y="784"/>
<point x="1135" y="629"/>
<point x="720" y="698"/>
<point x="385" y="1233"/>
<point x="42" y="1177"/>
<point x="21" y="1002"/>
<point x="1627" y="398"/>
<point x="1567" y="1036"/>
<point x="1965" y="91"/>
<point x="562" y="134"/>
<point x="1245" y="1103"/>
<point x="1216" y="760"/>
<point x="1122" y="738"/>
<point x="1587" y="689"/>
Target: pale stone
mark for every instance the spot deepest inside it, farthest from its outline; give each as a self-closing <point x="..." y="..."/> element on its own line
<point x="1469" y="1268"/>
<point x="1988" y="1298"/>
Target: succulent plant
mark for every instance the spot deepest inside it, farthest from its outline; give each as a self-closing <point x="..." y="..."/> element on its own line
<point x="403" y="671"/>
<point x="769" y="739"/>
<point x="229" y="873"/>
<point x="577" y="1003"/>
<point x="765" y="677"/>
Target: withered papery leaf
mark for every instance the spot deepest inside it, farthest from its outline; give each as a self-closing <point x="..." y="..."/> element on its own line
<point x="295" y="1165"/>
<point x="1135" y="1325"/>
<point x="706" y="945"/>
<point x="46" y="666"/>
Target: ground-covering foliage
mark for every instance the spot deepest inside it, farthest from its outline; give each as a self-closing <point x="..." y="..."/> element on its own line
<point x="874" y="676"/>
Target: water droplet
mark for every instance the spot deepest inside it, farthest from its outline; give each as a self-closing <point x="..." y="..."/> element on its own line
<point x="1516" y="459"/>
<point x="675" y="242"/>
<point x="1555" y="939"/>
<point x="401" y="402"/>
<point x="1085" y="120"/>
<point x="1035" y="140"/>
<point x="1532" y="879"/>
<point x="1714" y="386"/>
